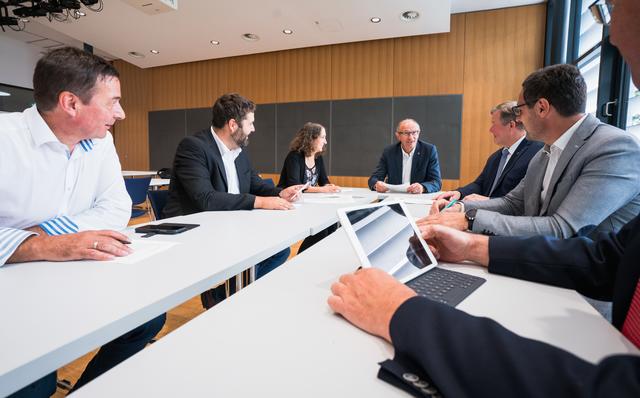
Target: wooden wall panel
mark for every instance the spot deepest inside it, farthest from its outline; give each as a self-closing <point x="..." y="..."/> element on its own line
<point x="132" y="133"/>
<point x="362" y="70"/>
<point x="169" y="87"/>
<point x="304" y="74"/>
<point x="501" y="48"/>
<point x="202" y="85"/>
<point x="430" y="64"/>
<point x="253" y="76"/>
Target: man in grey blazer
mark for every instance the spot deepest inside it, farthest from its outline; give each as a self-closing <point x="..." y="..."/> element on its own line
<point x="586" y="179"/>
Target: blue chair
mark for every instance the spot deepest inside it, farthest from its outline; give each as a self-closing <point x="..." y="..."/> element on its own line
<point x="137" y="189"/>
<point x="158" y="200"/>
<point x="269" y="181"/>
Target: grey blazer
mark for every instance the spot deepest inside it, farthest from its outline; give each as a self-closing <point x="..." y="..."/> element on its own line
<point x="595" y="183"/>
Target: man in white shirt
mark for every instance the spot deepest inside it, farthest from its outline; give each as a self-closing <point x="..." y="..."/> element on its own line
<point x="410" y="162"/>
<point x="585" y="180"/>
<point x="61" y="185"/>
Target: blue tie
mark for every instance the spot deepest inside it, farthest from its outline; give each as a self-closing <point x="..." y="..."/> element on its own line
<point x="503" y="161"/>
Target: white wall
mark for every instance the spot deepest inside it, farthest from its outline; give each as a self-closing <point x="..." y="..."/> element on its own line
<point x="17" y="62"/>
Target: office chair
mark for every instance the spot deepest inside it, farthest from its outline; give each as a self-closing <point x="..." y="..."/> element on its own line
<point x="137" y="189"/>
<point x="269" y="181"/>
<point x="158" y="200"/>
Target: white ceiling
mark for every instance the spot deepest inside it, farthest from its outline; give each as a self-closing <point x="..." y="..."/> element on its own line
<point x="184" y="35"/>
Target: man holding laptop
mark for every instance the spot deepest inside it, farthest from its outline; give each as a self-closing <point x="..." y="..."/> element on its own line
<point x="440" y="348"/>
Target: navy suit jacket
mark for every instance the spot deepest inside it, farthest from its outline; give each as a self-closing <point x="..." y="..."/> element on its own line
<point x="425" y="168"/>
<point x="513" y="171"/>
<point x="467" y="356"/>
<point x="199" y="181"/>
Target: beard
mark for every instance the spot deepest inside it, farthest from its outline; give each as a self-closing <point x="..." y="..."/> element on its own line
<point x="240" y="137"/>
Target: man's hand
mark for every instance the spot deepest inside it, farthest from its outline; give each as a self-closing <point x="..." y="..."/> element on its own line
<point x="416" y="187"/>
<point x="453" y="246"/>
<point x="381" y="187"/>
<point x="446" y="218"/>
<point x="474" y="197"/>
<point x="87" y="245"/>
<point x="271" y="203"/>
<point x="439" y="205"/>
<point x="368" y="299"/>
<point x="292" y="193"/>
<point x="449" y="195"/>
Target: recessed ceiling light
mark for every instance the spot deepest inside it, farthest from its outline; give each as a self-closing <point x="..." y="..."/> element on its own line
<point x="287" y="31"/>
<point x="136" y="54"/>
<point x="375" y="20"/>
<point x="81" y="14"/>
<point x="409" y="16"/>
<point x="25" y="20"/>
<point x="154" y="51"/>
<point x="215" y="42"/>
<point x="4" y="94"/>
<point x="251" y="37"/>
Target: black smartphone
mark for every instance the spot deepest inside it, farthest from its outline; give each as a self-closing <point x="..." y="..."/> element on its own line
<point x="165" y="228"/>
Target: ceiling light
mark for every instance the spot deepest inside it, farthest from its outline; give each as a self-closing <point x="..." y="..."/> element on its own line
<point x="81" y="14"/>
<point x="287" y="31"/>
<point x="136" y="54"/>
<point x="409" y="16"/>
<point x="251" y="37"/>
<point x="154" y="51"/>
<point x="25" y="20"/>
<point x="376" y="20"/>
<point x="4" y="94"/>
<point x="215" y="42"/>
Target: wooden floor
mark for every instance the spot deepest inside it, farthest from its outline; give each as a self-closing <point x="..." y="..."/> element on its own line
<point x="176" y="317"/>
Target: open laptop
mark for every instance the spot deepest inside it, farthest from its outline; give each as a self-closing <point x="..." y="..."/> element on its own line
<point x="385" y="236"/>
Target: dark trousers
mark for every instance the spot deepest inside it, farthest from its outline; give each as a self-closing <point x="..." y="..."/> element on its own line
<point x="107" y="357"/>
<point x="213" y="296"/>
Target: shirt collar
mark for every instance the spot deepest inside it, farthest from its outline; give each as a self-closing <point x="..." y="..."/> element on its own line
<point x="410" y="154"/>
<point x="514" y="146"/>
<point x="42" y="134"/>
<point x="222" y="147"/>
<point x="563" y="140"/>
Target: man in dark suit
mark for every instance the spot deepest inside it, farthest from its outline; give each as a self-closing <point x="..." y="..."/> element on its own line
<point x="465" y="356"/>
<point x="410" y="161"/>
<point x="211" y="172"/>
<point x="505" y="167"/>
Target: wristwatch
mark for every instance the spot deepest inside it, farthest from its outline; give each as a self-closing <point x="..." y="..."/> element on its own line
<point x="470" y="215"/>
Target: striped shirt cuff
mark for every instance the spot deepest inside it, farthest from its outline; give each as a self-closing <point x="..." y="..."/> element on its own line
<point x="59" y="226"/>
<point x="10" y="239"/>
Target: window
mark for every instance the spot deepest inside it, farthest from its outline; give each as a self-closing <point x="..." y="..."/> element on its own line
<point x="590" y="69"/>
<point x="633" y="110"/>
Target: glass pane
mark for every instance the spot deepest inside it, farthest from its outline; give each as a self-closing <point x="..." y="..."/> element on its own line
<point x="590" y="31"/>
<point x="15" y="99"/>
<point x="633" y="110"/>
<point x="590" y="69"/>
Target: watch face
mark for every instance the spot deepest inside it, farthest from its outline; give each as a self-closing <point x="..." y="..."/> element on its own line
<point x="471" y="214"/>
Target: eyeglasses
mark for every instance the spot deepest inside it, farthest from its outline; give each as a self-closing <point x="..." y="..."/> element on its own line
<point x="601" y="11"/>
<point x="516" y="109"/>
<point x="409" y="133"/>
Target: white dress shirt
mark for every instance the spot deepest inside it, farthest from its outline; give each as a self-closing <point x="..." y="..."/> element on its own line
<point x="229" y="160"/>
<point x="554" y="152"/>
<point x="43" y="183"/>
<point x="513" y="148"/>
<point x="407" y="161"/>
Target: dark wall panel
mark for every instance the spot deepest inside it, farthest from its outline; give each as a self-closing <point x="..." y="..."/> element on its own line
<point x="361" y="129"/>
<point x="166" y="129"/>
<point x="262" y="143"/>
<point x="440" y="120"/>
<point x="291" y="117"/>
<point x="197" y="119"/>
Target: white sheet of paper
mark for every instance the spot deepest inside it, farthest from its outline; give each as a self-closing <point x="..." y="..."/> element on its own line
<point x="397" y="188"/>
<point x="142" y="249"/>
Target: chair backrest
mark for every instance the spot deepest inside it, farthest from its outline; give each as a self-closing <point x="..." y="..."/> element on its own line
<point x="137" y="189"/>
<point x="269" y="181"/>
<point x="158" y="200"/>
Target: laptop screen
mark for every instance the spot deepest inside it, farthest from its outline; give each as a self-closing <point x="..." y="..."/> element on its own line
<point x="388" y="239"/>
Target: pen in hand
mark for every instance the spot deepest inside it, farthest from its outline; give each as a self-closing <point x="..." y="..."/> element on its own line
<point x="451" y="203"/>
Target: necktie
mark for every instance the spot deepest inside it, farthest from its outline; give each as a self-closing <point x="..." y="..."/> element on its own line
<point x="631" y="325"/>
<point x="503" y="161"/>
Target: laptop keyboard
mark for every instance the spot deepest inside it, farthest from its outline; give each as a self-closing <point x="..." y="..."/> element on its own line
<point x="445" y="286"/>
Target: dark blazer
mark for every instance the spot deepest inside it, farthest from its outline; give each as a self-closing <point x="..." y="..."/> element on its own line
<point x="425" y="168"/>
<point x="467" y="356"/>
<point x="199" y="182"/>
<point x="293" y="170"/>
<point x="513" y="172"/>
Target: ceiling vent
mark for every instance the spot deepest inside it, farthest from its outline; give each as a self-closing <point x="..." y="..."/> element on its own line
<point x="153" y="7"/>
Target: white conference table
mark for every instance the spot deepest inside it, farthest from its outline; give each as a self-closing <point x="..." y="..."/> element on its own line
<point x="53" y="313"/>
<point x="156" y="183"/>
<point x="279" y="338"/>
<point x="138" y="173"/>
